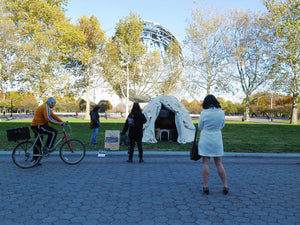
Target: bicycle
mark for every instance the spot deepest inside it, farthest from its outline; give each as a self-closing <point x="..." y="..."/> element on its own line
<point x="72" y="151"/>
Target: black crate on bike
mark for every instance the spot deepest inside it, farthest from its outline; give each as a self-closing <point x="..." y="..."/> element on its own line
<point x="18" y="134"/>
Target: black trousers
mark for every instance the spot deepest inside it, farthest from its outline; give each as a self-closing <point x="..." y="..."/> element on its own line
<point x="49" y="131"/>
<point x="139" y="145"/>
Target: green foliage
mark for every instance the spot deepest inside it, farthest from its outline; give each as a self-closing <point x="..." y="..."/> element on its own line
<point x="128" y="38"/>
<point x="8" y="47"/>
<point x="123" y="53"/>
<point x="283" y="23"/>
<point x="90" y="55"/>
<point x="94" y="40"/>
<point x="37" y="24"/>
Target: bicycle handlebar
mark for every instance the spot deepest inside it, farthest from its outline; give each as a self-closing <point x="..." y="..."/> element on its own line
<point x="70" y="128"/>
<point x="66" y="123"/>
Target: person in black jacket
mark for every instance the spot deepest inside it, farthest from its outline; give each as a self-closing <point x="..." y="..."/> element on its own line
<point x="134" y="122"/>
<point x="95" y="124"/>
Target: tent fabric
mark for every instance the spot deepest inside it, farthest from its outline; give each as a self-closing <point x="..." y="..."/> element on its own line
<point x="183" y="121"/>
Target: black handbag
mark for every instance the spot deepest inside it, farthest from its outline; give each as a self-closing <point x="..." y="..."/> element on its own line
<point x="194" y="155"/>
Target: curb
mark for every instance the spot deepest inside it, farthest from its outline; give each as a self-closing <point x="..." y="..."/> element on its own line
<point x="226" y="154"/>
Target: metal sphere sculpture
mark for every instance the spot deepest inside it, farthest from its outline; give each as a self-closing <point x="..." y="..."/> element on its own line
<point x="154" y="77"/>
<point x="156" y="37"/>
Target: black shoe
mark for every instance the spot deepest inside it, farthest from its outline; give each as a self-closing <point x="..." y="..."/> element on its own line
<point x="94" y="144"/>
<point x="141" y="161"/>
<point x="129" y="161"/>
<point x="33" y="159"/>
<point x="205" y="190"/>
<point x="46" y="151"/>
<point x="225" y="190"/>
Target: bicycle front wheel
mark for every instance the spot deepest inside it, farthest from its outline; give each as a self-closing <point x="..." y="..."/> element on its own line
<point x="72" y="152"/>
<point x="23" y="155"/>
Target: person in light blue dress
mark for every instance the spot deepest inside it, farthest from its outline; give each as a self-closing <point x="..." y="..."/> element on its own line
<point x="211" y="122"/>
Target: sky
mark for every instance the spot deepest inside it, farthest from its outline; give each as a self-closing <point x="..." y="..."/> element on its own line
<point x="172" y="14"/>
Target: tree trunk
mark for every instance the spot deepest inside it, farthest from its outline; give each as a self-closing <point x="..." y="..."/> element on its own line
<point x="294" y="117"/>
<point x="87" y="109"/>
<point x="247" y="109"/>
<point x="127" y="92"/>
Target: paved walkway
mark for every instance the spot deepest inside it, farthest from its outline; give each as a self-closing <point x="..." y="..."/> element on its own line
<point x="166" y="189"/>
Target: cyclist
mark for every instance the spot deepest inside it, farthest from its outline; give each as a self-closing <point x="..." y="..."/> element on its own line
<point x="42" y="116"/>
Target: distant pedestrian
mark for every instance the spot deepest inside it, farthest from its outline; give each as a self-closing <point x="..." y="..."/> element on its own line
<point x="95" y="124"/>
<point x="134" y="122"/>
<point x="212" y="120"/>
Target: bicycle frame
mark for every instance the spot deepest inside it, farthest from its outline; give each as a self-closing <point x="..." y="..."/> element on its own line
<point x="39" y="137"/>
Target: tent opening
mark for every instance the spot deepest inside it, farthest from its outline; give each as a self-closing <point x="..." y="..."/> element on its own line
<point x="165" y="126"/>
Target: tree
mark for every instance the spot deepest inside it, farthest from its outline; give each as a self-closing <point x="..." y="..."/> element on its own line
<point x="283" y="20"/>
<point x="124" y="52"/>
<point x="157" y="73"/>
<point x="250" y="53"/>
<point x="89" y="55"/>
<point x="29" y="102"/>
<point x="207" y="61"/>
<point x="173" y="66"/>
<point x="231" y="108"/>
<point x="8" y="48"/>
<point x="82" y="104"/>
<point x="37" y="24"/>
<point x="104" y="105"/>
<point x="136" y="72"/>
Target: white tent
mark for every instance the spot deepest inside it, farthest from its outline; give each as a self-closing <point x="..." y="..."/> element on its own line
<point x="184" y="124"/>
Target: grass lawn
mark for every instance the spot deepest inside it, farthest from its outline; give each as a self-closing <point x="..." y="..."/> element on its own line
<point x="237" y="136"/>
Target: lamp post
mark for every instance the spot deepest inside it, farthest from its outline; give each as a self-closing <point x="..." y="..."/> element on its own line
<point x="11" y="107"/>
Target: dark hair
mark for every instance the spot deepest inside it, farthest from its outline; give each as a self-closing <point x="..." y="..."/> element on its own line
<point x="136" y="107"/>
<point x="210" y="101"/>
<point x="96" y="108"/>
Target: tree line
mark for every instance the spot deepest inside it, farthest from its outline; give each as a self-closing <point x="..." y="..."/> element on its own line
<point x="18" y="102"/>
<point x="224" y="51"/>
<point x="266" y="105"/>
<point x="262" y="105"/>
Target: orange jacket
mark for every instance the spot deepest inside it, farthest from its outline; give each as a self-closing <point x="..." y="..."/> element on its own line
<point x="43" y="115"/>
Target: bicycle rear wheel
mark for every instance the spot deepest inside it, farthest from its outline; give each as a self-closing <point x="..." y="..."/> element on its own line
<point x="23" y="155"/>
<point x="72" y="154"/>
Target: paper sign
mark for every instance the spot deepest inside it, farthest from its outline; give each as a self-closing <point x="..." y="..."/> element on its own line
<point x="101" y="153"/>
<point x="112" y="138"/>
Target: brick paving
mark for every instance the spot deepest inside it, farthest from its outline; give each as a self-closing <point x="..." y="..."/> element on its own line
<point x="166" y="189"/>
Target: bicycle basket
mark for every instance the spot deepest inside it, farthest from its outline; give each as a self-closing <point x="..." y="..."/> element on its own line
<point x="18" y="134"/>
